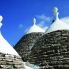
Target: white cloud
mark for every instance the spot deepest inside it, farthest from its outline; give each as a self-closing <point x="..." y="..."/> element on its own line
<point x="43" y="20"/>
<point x="43" y="17"/>
<point x="41" y="24"/>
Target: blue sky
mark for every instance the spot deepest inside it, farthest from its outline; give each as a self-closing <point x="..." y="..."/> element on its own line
<point x="18" y="15"/>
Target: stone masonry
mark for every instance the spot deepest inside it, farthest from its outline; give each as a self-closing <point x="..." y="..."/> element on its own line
<point x="8" y="61"/>
<point x="51" y="51"/>
<point x="24" y="46"/>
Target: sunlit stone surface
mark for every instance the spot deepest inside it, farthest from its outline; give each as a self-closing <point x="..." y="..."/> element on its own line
<point x="8" y="61"/>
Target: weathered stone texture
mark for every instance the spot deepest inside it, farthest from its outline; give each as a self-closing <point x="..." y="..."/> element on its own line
<point x="24" y="46"/>
<point x="51" y="51"/>
<point x="8" y="61"/>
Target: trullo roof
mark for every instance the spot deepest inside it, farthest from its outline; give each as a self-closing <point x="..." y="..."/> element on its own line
<point x="5" y="47"/>
<point x="57" y="24"/>
<point x="35" y="28"/>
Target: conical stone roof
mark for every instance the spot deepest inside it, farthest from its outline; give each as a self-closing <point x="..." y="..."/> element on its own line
<point x="5" y="47"/>
<point x="51" y="51"/>
<point x="25" y="44"/>
<point x="57" y="24"/>
<point x="9" y="58"/>
<point x="35" y="28"/>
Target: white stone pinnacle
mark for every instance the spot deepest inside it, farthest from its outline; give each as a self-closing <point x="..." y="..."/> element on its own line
<point x="35" y="28"/>
<point x="57" y="24"/>
<point x="1" y="18"/>
<point x="34" y="21"/>
<point x="56" y="13"/>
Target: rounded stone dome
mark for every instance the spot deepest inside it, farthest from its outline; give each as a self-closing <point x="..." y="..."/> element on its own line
<point x="25" y="44"/>
<point x="51" y="50"/>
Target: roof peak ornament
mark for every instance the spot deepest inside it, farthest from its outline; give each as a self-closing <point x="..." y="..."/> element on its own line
<point x="34" y="21"/>
<point x="1" y="18"/>
<point x="56" y="13"/>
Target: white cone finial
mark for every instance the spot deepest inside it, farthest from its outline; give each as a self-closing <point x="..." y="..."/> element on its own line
<point x="34" y="21"/>
<point x="56" y="13"/>
<point x="1" y="18"/>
